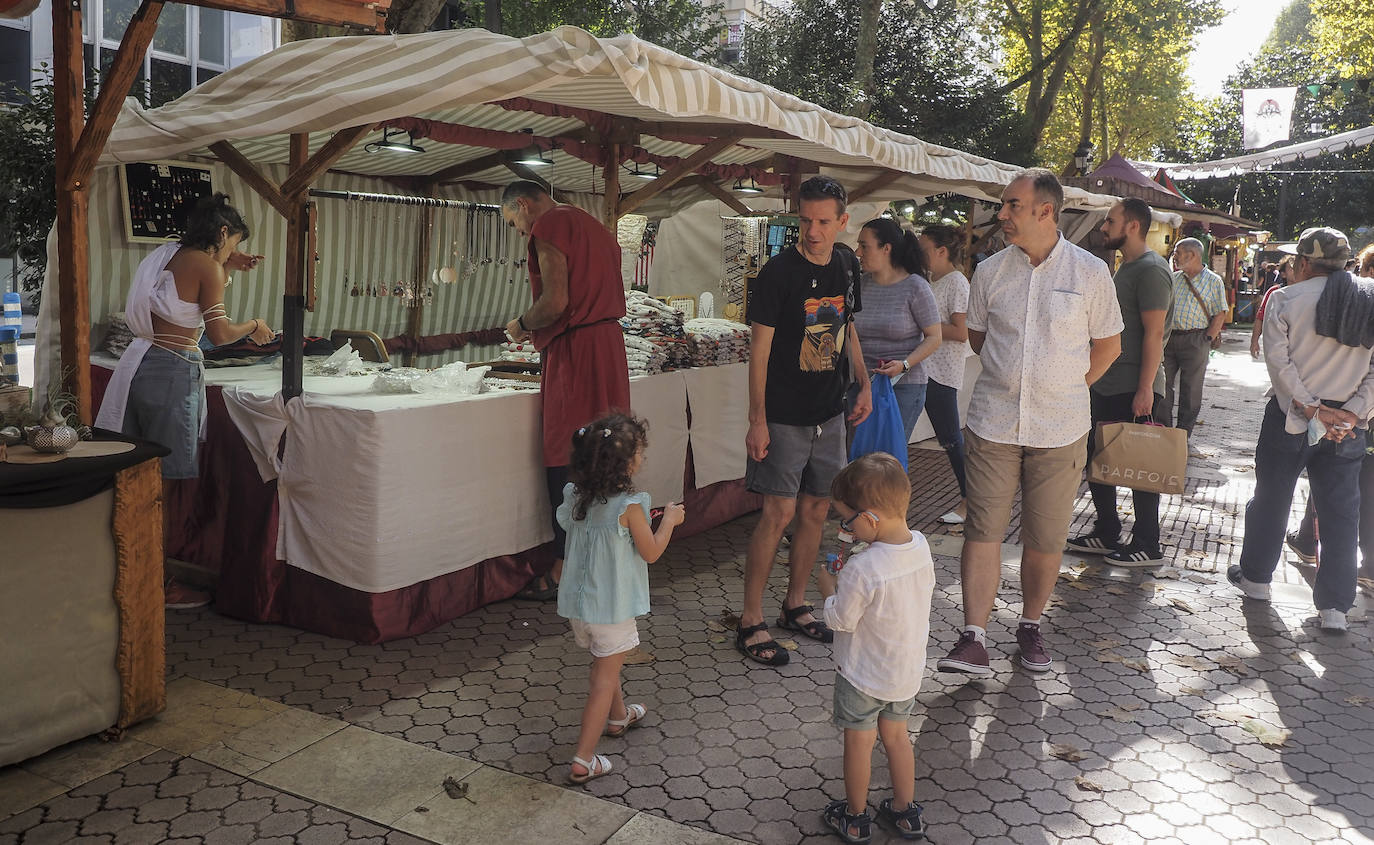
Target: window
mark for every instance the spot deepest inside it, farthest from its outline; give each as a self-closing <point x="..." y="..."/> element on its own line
<point x="16" y="70"/>
<point x="169" y="80"/>
<point x="171" y="30"/>
<point x="212" y="36"/>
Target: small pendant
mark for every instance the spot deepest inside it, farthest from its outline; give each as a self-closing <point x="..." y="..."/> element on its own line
<point x="813" y="284"/>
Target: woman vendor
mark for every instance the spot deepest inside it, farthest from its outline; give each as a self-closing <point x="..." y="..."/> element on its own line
<point x="157" y="392"/>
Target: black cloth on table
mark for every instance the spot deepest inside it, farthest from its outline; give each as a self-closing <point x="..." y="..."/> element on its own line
<point x="71" y="480"/>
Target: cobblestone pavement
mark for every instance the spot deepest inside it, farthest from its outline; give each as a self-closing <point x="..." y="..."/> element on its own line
<point x="1174" y="712"/>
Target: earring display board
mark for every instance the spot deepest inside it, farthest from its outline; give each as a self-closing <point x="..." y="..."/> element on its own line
<point x="157" y="195"/>
<point x="783" y="231"/>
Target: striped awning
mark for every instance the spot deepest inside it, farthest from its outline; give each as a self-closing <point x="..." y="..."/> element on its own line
<point x="458" y="77"/>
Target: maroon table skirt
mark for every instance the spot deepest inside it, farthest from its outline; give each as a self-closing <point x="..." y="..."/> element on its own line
<point x="226" y="521"/>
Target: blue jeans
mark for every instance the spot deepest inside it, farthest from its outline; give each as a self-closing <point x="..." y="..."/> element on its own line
<point x="1333" y="470"/>
<point x="942" y="406"/>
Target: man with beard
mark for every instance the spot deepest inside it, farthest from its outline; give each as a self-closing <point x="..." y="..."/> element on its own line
<point x="1043" y="315"/>
<point x="1134" y="383"/>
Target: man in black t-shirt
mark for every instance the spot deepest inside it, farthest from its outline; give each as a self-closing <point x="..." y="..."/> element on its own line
<point x="801" y="311"/>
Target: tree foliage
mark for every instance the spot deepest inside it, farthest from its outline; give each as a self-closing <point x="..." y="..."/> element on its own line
<point x="1343" y="35"/>
<point x="931" y="77"/>
<point x="683" y="26"/>
<point x="1118" y="78"/>
<point x="1315" y="196"/>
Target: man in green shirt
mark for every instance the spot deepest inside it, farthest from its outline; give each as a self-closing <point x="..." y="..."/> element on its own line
<point x="1133" y="385"/>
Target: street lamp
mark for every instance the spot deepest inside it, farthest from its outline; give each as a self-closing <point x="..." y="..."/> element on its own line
<point x="1083" y="157"/>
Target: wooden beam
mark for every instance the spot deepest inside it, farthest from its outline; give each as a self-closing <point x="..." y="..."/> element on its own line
<point x="467" y="168"/>
<point x="293" y="298"/>
<point x="726" y="197"/>
<point x="256" y="179"/>
<point x="683" y="168"/>
<point x="610" y="216"/>
<point x="73" y="237"/>
<point x="114" y="87"/>
<point x="368" y="15"/>
<point x="336" y="148"/>
<point x="877" y="183"/>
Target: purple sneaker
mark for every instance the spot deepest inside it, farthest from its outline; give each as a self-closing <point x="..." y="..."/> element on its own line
<point x="969" y="657"/>
<point x="1033" y="654"/>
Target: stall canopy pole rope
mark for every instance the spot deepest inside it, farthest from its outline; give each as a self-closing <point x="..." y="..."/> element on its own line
<point x="399" y="199"/>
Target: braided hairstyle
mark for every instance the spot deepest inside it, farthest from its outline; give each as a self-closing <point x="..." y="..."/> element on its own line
<point x="602" y="454"/>
<point x="207" y="217"/>
<point x="906" y="251"/>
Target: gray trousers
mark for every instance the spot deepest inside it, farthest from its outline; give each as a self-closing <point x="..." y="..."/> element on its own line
<point x="1185" y="358"/>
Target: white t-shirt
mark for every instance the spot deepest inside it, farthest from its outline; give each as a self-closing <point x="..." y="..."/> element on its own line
<point x="946" y="364"/>
<point x="881" y="617"/>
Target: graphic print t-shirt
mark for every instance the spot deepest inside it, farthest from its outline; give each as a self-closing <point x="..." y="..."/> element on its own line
<point x="807" y="305"/>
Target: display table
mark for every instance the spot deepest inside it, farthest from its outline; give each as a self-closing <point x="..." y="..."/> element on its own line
<point x="373" y="516"/>
<point x="81" y="617"/>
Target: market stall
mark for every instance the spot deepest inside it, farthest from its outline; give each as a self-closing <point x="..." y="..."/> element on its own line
<point x="436" y="119"/>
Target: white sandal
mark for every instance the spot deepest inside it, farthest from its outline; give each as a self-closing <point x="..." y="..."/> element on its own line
<point x="596" y="767"/>
<point x="634" y="714"/>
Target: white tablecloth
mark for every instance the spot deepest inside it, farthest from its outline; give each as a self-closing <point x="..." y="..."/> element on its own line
<point x="378" y="492"/>
<point x="719" y="397"/>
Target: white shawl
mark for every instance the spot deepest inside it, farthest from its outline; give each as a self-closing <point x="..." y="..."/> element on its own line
<point x="153" y="286"/>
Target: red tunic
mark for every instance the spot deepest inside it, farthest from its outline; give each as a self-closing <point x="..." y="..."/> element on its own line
<point x="583" y="351"/>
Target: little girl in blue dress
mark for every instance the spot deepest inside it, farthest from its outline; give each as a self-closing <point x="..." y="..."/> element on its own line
<point x="605" y="581"/>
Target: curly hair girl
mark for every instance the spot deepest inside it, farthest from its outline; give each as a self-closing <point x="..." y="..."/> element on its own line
<point x="603" y="458"/>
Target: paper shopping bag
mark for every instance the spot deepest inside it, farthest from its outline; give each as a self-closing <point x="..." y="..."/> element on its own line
<point x="1153" y="458"/>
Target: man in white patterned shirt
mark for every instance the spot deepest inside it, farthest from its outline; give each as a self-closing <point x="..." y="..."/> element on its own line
<point x="1199" y="314"/>
<point x="1044" y="317"/>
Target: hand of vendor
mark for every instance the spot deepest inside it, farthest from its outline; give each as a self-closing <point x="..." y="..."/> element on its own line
<point x="261" y="333"/>
<point x="891" y="368"/>
<point x="757" y="440"/>
<point x="516" y="331"/>
<point x="863" y="403"/>
<point x="242" y="261"/>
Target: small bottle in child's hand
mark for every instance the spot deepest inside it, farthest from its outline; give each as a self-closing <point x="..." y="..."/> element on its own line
<point x="834" y="563"/>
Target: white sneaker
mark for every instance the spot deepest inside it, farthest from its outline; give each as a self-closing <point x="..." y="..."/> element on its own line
<point x="1331" y="619"/>
<point x="1252" y="590"/>
<point x="952" y="518"/>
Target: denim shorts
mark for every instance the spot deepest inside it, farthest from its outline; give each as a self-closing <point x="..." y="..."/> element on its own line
<point x="801" y="458"/>
<point x="164" y="407"/>
<point x="858" y="711"/>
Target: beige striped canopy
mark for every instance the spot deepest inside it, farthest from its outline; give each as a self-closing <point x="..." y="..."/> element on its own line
<point x="323" y="85"/>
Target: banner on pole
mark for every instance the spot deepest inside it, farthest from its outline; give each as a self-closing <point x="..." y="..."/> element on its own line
<point x="1268" y="115"/>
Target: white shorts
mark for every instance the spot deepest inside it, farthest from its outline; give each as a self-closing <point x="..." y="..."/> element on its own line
<point x="605" y="640"/>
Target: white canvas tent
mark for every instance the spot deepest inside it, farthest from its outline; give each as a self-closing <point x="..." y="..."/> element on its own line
<point x="592" y="105"/>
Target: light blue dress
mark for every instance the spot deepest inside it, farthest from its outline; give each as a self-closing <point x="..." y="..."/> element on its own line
<point x="604" y="579"/>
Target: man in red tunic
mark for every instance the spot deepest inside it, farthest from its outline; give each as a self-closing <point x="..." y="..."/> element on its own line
<point x="579" y="299"/>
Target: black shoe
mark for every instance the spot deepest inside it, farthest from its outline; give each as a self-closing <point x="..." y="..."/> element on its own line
<point x="1306" y="550"/>
<point x="1133" y="555"/>
<point x="837" y="818"/>
<point x="1091" y="544"/>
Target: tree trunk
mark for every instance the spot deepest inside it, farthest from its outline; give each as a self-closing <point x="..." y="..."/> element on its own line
<point x="491" y="10"/>
<point x="865" y="54"/>
<point x="1091" y="86"/>
<point x="1045" y="84"/>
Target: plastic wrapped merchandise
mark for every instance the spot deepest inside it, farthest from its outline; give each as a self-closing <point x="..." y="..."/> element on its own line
<point x="452" y="378"/>
<point x="345" y="361"/>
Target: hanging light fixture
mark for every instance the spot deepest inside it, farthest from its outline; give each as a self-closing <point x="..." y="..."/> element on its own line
<point x="392" y="142"/>
<point x="644" y="174"/>
<point x="751" y="188"/>
<point x="533" y="155"/>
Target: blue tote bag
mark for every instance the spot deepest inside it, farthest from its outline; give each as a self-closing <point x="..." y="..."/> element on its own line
<point x="883" y="430"/>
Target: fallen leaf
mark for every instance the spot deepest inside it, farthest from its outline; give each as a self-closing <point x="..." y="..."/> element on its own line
<point x="790" y="645"/>
<point x="1087" y="785"/>
<point x="1268" y="735"/>
<point x="1119" y="715"/>
<point x="1191" y="662"/>
<point x="1357" y="700"/>
<point x="717" y="639"/>
<point x="1079" y="585"/>
<point x="1232" y="717"/>
<point x="1168" y="572"/>
<point x="1129" y="662"/>
<point x="1181" y="605"/>
<point x="455" y="789"/>
<point x="1198" y="691"/>
<point x="638" y="655"/>
<point x="729" y="621"/>
<point x="1233" y="664"/>
<point x="1116" y="591"/>
<point x="1067" y="752"/>
<point x="713" y="625"/>
<point x="1105" y="643"/>
<point x="1195" y="553"/>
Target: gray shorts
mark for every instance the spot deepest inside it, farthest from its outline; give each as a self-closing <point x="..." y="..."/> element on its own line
<point x="801" y="458"/>
<point x="859" y="711"/>
<point x="164" y="407"/>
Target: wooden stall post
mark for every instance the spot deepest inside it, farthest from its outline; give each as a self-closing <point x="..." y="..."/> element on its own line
<point x="73" y="266"/>
<point x="611" y="214"/>
<point x="293" y="299"/>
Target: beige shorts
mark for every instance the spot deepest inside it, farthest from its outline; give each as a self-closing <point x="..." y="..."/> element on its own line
<point x="605" y="640"/>
<point x="1048" y="480"/>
